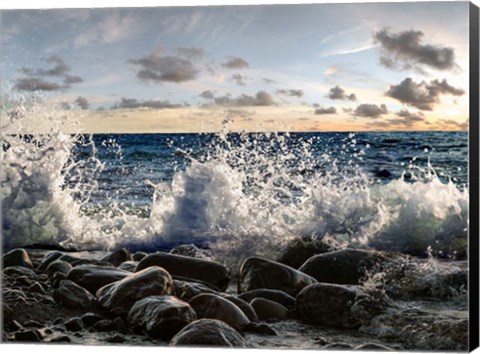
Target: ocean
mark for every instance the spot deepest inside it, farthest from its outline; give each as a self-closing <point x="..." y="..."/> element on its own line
<point x="237" y="193"/>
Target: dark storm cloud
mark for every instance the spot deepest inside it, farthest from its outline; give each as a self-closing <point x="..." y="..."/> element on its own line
<point x="239" y="79"/>
<point x="207" y="95"/>
<point x="261" y="98"/>
<point x="329" y="110"/>
<point x="422" y="95"/>
<point x="235" y="63"/>
<point x="82" y="102"/>
<point x="291" y="93"/>
<point x="411" y="117"/>
<point x="407" y="48"/>
<point x="157" y="68"/>
<point x="191" y="53"/>
<point x="35" y="80"/>
<point x="36" y="84"/>
<point x="370" y="110"/>
<point x="60" y="68"/>
<point x="337" y="93"/>
<point x="72" y="79"/>
<point x="134" y="103"/>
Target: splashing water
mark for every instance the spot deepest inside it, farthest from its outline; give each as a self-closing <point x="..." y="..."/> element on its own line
<point x="246" y="194"/>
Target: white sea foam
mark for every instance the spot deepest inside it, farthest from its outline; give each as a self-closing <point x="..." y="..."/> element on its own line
<point x="241" y="198"/>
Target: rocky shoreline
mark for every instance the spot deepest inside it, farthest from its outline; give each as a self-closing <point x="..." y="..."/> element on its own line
<point x="341" y="299"/>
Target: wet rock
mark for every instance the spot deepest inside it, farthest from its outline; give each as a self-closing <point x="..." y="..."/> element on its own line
<point x="181" y="267"/>
<point x="31" y="335"/>
<point x="117" y="338"/>
<point x="185" y="290"/>
<point x="32" y="324"/>
<point x="246" y="308"/>
<point x="215" y="307"/>
<point x="76" y="261"/>
<point x="18" y="271"/>
<point x="89" y="319"/>
<point x="37" y="288"/>
<point x="338" y="345"/>
<point x="268" y="310"/>
<point x="118" y="257"/>
<point x="347" y="266"/>
<point x="56" y="278"/>
<point x="259" y="273"/>
<point x="138" y="256"/>
<point x="208" y="332"/>
<point x="120" y="325"/>
<point x="104" y="326"/>
<point x="129" y="266"/>
<point x="270" y="294"/>
<point x="119" y="297"/>
<point x="60" y="339"/>
<point x="93" y="277"/>
<point x="17" y="257"/>
<point x="373" y="347"/>
<point x="58" y="266"/>
<point x="7" y="314"/>
<point x="302" y="248"/>
<point x="160" y="316"/>
<point x="14" y="295"/>
<point x="74" y="324"/>
<point x="259" y="328"/>
<point x="191" y="250"/>
<point x="339" y="305"/>
<point x="49" y="258"/>
<point x="74" y="296"/>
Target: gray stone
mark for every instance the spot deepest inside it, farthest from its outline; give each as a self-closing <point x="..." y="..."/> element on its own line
<point x="246" y="308"/>
<point x="191" y="250"/>
<point x="268" y="310"/>
<point x="216" y="307"/>
<point x="32" y="335"/>
<point x="119" y="297"/>
<point x="347" y="266"/>
<point x="17" y="257"/>
<point x="74" y="324"/>
<point x="160" y="316"/>
<point x="208" y="332"/>
<point x="185" y="290"/>
<point x="49" y="258"/>
<point x="17" y="271"/>
<point x="93" y="277"/>
<point x="343" y="306"/>
<point x="89" y="319"/>
<point x="129" y="266"/>
<point x="182" y="267"/>
<point x="118" y="257"/>
<point x="58" y="266"/>
<point x="37" y="288"/>
<point x="259" y="273"/>
<point x="270" y="294"/>
<point x="103" y="326"/>
<point x="73" y="296"/>
<point x="138" y="256"/>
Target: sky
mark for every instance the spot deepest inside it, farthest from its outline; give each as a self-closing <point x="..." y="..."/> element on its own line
<point x="322" y="67"/>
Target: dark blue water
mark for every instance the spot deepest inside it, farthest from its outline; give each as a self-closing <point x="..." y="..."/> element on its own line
<point x="132" y="159"/>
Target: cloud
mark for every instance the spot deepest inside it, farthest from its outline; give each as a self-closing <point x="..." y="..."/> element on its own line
<point x="235" y="63"/>
<point x="291" y="93"/>
<point x="406" y="48"/>
<point x="411" y="117"/>
<point x="159" y="69"/>
<point x="329" y="110"/>
<point x="207" y="95"/>
<point x="239" y="79"/>
<point x="261" y="98"/>
<point x="422" y="95"/>
<point x="71" y="79"/>
<point x="337" y="93"/>
<point x="34" y="80"/>
<point x="369" y="110"/>
<point x="134" y="103"/>
<point x="243" y="114"/>
<point x="36" y="84"/>
<point x="268" y="81"/>
<point x="452" y="124"/>
<point x="191" y="53"/>
<point x="82" y="102"/>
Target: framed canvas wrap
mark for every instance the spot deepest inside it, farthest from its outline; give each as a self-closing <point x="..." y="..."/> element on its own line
<point x="300" y="176"/>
